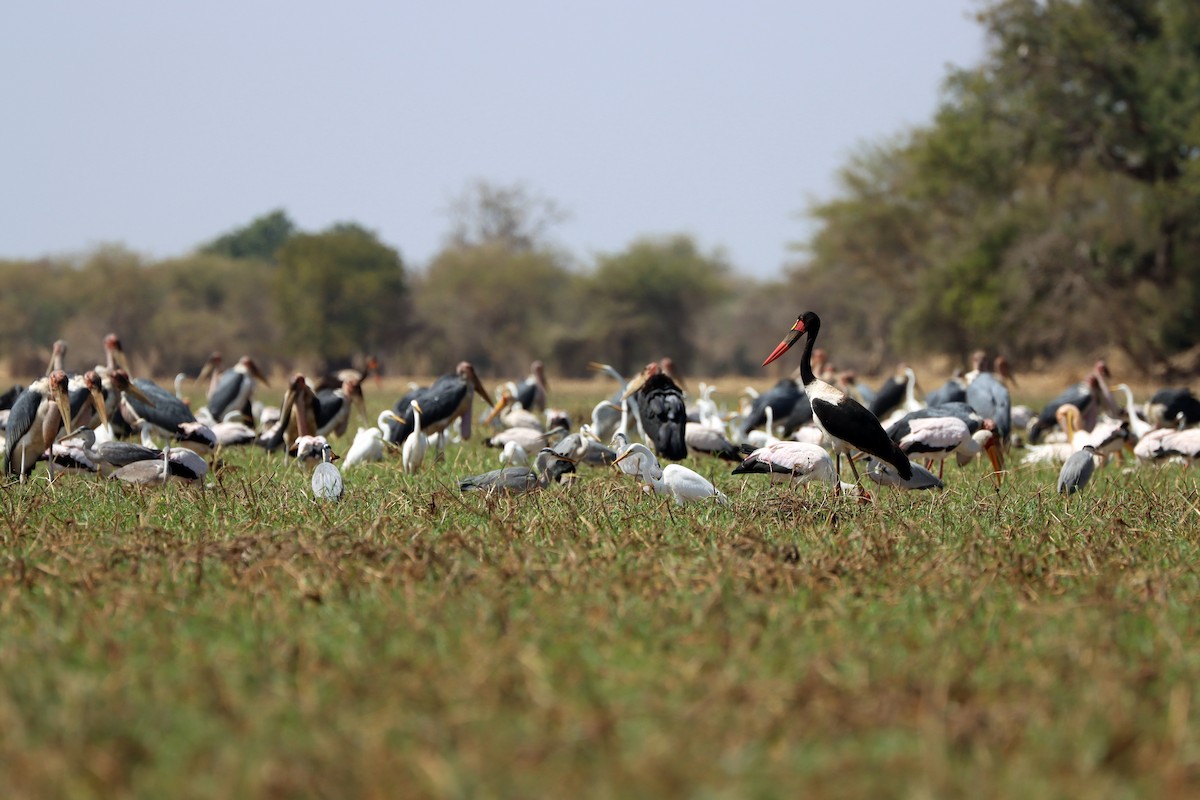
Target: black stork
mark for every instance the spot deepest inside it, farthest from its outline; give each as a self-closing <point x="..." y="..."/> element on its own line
<point x="34" y="423"/>
<point x="448" y="399"/>
<point x="662" y="411"/>
<point x="845" y="420"/>
<point x="232" y="389"/>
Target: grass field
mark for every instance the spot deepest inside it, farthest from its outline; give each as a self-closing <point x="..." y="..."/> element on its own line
<point x="246" y="641"/>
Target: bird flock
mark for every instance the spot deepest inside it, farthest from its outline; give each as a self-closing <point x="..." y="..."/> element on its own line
<point x="129" y="429"/>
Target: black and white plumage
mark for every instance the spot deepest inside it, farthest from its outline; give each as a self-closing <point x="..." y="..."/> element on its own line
<point x="799" y="462"/>
<point x="449" y="398"/>
<point x="549" y="467"/>
<point x="34" y="422"/>
<point x="1077" y="470"/>
<point x="232" y="389"/>
<point x="843" y="419"/>
<point x="662" y="410"/>
<point x="326" y="479"/>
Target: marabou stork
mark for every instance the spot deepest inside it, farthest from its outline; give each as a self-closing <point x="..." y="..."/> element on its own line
<point x="448" y="399"/>
<point x="296" y="416"/>
<point x="549" y="467"/>
<point x="332" y="407"/>
<point x="86" y="394"/>
<point x="783" y="399"/>
<point x="893" y="392"/>
<point x="179" y="463"/>
<point x="1087" y="395"/>
<point x="35" y="421"/>
<point x="953" y="390"/>
<point x="842" y="418"/>
<point x="232" y="389"/>
<point x="161" y="412"/>
<point x="531" y="392"/>
<point x="662" y="411"/>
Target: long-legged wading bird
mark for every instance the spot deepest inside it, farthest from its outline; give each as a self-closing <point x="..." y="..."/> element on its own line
<point x="326" y="480"/>
<point x="412" y="452"/>
<point x="683" y="484"/>
<point x="232" y="389"/>
<point x="34" y="423"/>
<point x="663" y="412"/>
<point x="841" y="417"/>
<point x="448" y="399"/>
<point x="1077" y="470"/>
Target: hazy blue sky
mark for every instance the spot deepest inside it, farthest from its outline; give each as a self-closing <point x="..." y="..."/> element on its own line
<point x="162" y="124"/>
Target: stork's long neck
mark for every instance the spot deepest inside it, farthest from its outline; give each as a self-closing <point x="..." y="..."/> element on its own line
<point x="806" y="371"/>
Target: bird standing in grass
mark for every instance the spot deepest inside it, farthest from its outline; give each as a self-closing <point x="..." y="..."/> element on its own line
<point x="326" y="479"/>
<point x="1077" y="470"/>
<point x="413" y="451"/>
<point x="848" y="423"/>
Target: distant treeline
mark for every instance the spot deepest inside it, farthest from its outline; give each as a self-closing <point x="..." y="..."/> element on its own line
<point x="1051" y="210"/>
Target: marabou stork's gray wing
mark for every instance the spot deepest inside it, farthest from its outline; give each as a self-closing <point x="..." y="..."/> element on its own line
<point x="802" y="414"/>
<point x="991" y="399"/>
<point x="168" y="411"/>
<point x="782" y="398"/>
<point x="327" y="405"/>
<point x="889" y="396"/>
<point x="1078" y="396"/>
<point x="397" y="432"/>
<point x="20" y="420"/>
<point x="952" y="391"/>
<point x="229" y="385"/>
<point x="440" y="400"/>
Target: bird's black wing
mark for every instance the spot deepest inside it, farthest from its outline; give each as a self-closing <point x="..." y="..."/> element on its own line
<point x="782" y="398"/>
<point x="326" y="406"/>
<point x="859" y="428"/>
<point x="9" y="397"/>
<point x="440" y="400"/>
<point x="952" y="391"/>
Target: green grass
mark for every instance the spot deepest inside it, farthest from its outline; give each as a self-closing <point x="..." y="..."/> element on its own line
<point x="594" y="641"/>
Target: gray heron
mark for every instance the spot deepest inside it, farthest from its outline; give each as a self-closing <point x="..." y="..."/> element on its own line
<point x="326" y="479"/>
<point x="1077" y="470"/>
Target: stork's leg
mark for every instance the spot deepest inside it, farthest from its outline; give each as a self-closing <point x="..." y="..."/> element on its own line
<point x="854" y="469"/>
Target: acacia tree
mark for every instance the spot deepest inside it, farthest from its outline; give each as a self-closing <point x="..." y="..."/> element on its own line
<point x="644" y="302"/>
<point x="339" y="293"/>
<point x="1054" y="188"/>
<point x="260" y="239"/>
